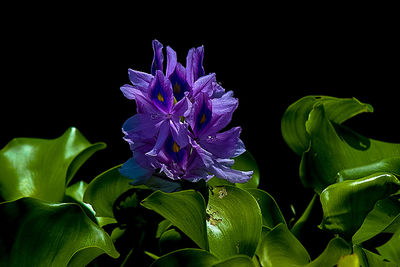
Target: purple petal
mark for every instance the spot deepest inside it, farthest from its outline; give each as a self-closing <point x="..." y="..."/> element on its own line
<point x="128" y="91"/>
<point x="221" y="167"/>
<point x="179" y="133"/>
<point x="194" y="64"/>
<point x="204" y="84"/>
<point x="158" y="58"/>
<point x="161" y="92"/>
<point x="182" y="108"/>
<point x="177" y="154"/>
<point x="197" y="63"/>
<point x="162" y="137"/>
<point x="218" y="91"/>
<point x="201" y="115"/>
<point x="231" y="175"/>
<point x="224" y="145"/>
<point x="140" y="80"/>
<point x="171" y="61"/>
<point x="142" y="126"/>
<point x="189" y="67"/>
<point x="179" y="83"/>
<point x="222" y="111"/>
<point x="144" y="104"/>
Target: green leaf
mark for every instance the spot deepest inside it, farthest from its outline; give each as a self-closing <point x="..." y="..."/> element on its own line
<point x="391" y="165"/>
<point x="370" y="259"/>
<point x="104" y="190"/>
<point x="280" y="247"/>
<point x="234" y="222"/>
<point x="169" y="241"/>
<point x="41" y="168"/>
<point x="345" y="205"/>
<point x="391" y="249"/>
<point x="184" y="209"/>
<point x="336" y="249"/>
<point x="236" y="261"/>
<point x="271" y="214"/>
<point x="334" y="148"/>
<point x="38" y="233"/>
<point x="188" y="256"/>
<point x="338" y="110"/>
<point x="74" y="194"/>
<point x="384" y="216"/>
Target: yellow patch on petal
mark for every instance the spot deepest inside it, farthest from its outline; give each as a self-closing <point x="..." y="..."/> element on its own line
<point x="177" y="88"/>
<point x="160" y="97"/>
<point x="203" y="118"/>
<point x="175" y="147"/>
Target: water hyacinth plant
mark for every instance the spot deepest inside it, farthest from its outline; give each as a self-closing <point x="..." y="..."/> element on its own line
<point x="178" y="122"/>
<point x="189" y="194"/>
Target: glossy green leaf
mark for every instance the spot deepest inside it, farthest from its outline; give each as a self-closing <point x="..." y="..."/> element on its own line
<point x="38" y="233"/>
<point x="184" y="209"/>
<point x="336" y="249"/>
<point x="271" y="214"/>
<point x="391" y="165"/>
<point x="338" y="110"/>
<point x="384" y="216"/>
<point x="41" y="168"/>
<point x="104" y="190"/>
<point x="187" y="256"/>
<point x="280" y="247"/>
<point x="334" y="148"/>
<point x="345" y="205"/>
<point x="235" y="261"/>
<point x="74" y="193"/>
<point x="234" y="222"/>
<point x="391" y="249"/>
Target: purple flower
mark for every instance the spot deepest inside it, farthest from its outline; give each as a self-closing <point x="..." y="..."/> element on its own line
<point x="180" y="114"/>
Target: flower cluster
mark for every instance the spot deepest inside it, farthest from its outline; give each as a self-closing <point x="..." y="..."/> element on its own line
<point x="180" y="113"/>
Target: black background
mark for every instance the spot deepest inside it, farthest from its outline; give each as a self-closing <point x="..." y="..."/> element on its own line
<point x="64" y="67"/>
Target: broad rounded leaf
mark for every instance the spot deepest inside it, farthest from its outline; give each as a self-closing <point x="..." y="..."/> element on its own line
<point x="384" y="216"/>
<point x="234" y="222"/>
<point x="74" y="193"/>
<point x="391" y="165"/>
<point x="280" y="247"/>
<point x="271" y="214"/>
<point x="345" y="205"/>
<point x="336" y="249"/>
<point x="38" y="233"/>
<point x="41" y="168"/>
<point x="334" y="148"/>
<point x="293" y="121"/>
<point x="184" y="209"/>
<point x="188" y="257"/>
<point x="105" y="189"/>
